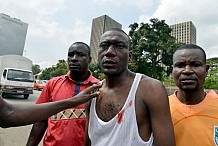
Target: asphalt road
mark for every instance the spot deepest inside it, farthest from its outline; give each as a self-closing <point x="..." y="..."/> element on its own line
<point x="19" y="135"/>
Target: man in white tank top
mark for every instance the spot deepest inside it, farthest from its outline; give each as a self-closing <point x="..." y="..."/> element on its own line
<point x="132" y="109"/>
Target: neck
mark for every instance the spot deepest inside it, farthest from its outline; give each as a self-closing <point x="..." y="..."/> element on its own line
<point x="191" y="98"/>
<point x="118" y="80"/>
<point x="78" y="76"/>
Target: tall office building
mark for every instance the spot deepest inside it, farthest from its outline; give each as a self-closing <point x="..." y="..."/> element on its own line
<point x="184" y="32"/>
<point x="99" y="26"/>
<point x="12" y="35"/>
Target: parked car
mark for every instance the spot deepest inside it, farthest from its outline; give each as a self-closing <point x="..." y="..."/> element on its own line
<point x="45" y="81"/>
<point x="39" y="84"/>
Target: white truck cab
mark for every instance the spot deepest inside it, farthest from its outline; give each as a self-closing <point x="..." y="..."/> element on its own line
<point x="16" y="77"/>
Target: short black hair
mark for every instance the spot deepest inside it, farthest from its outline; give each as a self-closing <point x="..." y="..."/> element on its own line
<point x="82" y="43"/>
<point x="117" y="29"/>
<point x="122" y="31"/>
<point x="192" y="46"/>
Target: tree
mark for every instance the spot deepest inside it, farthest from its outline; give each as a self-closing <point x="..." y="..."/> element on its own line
<point x="152" y="47"/>
<point x="59" y="69"/>
<point x="213" y="62"/>
<point x="36" y="69"/>
<point x="96" y="72"/>
<point x="211" y="80"/>
<point x="212" y="77"/>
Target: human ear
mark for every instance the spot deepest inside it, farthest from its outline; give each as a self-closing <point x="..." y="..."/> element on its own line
<point x="90" y="59"/>
<point x="207" y="67"/>
<point x="130" y="56"/>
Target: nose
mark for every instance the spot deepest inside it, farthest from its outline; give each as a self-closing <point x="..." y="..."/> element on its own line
<point x="111" y="51"/>
<point x="187" y="69"/>
<point x="74" y="58"/>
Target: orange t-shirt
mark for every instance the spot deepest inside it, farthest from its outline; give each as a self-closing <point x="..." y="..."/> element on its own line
<point x="195" y="125"/>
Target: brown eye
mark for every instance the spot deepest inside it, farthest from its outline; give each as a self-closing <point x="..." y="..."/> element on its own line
<point x="70" y="54"/>
<point x="119" y="46"/>
<point x="104" y="46"/>
<point x="180" y="65"/>
<point x="196" y="65"/>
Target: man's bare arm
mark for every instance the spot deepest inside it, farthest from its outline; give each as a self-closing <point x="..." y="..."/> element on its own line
<point x="161" y="121"/>
<point x="17" y="115"/>
<point x="37" y="133"/>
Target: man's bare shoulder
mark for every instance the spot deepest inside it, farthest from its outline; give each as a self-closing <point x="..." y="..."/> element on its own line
<point x="150" y="83"/>
<point x="151" y="89"/>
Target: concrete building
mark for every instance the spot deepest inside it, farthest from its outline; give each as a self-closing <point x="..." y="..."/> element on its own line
<point x="184" y="32"/>
<point x="12" y="35"/>
<point x="99" y="26"/>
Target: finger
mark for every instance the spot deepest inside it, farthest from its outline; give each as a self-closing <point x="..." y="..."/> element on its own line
<point x="92" y="88"/>
<point x="93" y="95"/>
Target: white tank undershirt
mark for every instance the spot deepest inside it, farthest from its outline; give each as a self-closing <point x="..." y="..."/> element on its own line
<point x="122" y="130"/>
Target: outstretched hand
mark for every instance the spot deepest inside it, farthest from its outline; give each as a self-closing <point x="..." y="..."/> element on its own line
<point x="87" y="94"/>
<point x="17" y="115"/>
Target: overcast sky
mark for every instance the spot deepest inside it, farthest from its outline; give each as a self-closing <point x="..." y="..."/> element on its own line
<point x="55" y="24"/>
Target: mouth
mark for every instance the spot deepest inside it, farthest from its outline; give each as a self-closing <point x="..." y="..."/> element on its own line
<point x="72" y="66"/>
<point x="109" y="62"/>
<point x="188" y="80"/>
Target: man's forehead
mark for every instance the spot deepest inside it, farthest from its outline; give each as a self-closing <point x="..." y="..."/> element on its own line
<point x="187" y="54"/>
<point x="78" y="48"/>
<point x="114" y="37"/>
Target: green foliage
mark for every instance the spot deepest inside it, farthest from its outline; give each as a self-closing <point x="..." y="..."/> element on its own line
<point x="36" y="69"/>
<point x="96" y="72"/>
<point x="168" y="81"/>
<point x="211" y="80"/>
<point x="59" y="69"/>
<point x="213" y="62"/>
<point x="212" y="77"/>
<point x="152" y="47"/>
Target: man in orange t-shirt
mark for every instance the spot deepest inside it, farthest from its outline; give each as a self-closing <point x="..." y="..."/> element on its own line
<point x="194" y="112"/>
